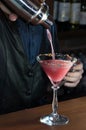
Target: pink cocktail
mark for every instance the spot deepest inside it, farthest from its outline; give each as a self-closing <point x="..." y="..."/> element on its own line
<point x="55" y="68"/>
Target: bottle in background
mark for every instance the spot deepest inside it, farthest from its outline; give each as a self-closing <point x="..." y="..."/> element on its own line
<point x="63" y="15"/>
<point x="75" y="14"/>
<point x="83" y="15"/>
<point x="55" y="10"/>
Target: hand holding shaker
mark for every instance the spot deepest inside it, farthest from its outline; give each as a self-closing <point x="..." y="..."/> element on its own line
<point x="33" y="11"/>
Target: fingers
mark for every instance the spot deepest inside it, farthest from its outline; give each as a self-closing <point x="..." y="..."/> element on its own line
<point x="71" y="84"/>
<point x="73" y="78"/>
<point x="11" y="16"/>
<point x="4" y="8"/>
<point x="73" y="81"/>
<point x="78" y="67"/>
<point x="74" y="75"/>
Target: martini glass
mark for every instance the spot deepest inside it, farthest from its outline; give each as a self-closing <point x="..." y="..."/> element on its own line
<point x="56" y="69"/>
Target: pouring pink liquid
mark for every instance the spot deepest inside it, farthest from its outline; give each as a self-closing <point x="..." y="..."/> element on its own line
<point x="51" y="43"/>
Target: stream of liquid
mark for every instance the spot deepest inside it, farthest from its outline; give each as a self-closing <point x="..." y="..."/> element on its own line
<point x="51" y="43"/>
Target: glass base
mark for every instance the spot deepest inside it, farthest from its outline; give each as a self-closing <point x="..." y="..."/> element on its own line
<point x="54" y="120"/>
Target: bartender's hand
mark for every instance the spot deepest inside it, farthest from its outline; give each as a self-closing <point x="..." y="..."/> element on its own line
<point x="11" y="15"/>
<point x="73" y="78"/>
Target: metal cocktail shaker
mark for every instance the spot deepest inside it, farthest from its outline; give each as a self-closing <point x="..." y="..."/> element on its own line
<point x="33" y="11"/>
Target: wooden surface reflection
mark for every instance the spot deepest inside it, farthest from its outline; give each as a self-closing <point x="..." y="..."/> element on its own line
<point x="28" y="119"/>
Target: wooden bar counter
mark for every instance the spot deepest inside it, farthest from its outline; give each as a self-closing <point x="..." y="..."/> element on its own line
<point x="28" y="119"/>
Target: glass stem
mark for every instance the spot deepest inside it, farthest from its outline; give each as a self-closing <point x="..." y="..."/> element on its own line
<point x="55" y="101"/>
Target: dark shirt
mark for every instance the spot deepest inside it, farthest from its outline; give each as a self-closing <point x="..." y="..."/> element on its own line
<point x="22" y="83"/>
<point x="31" y="39"/>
